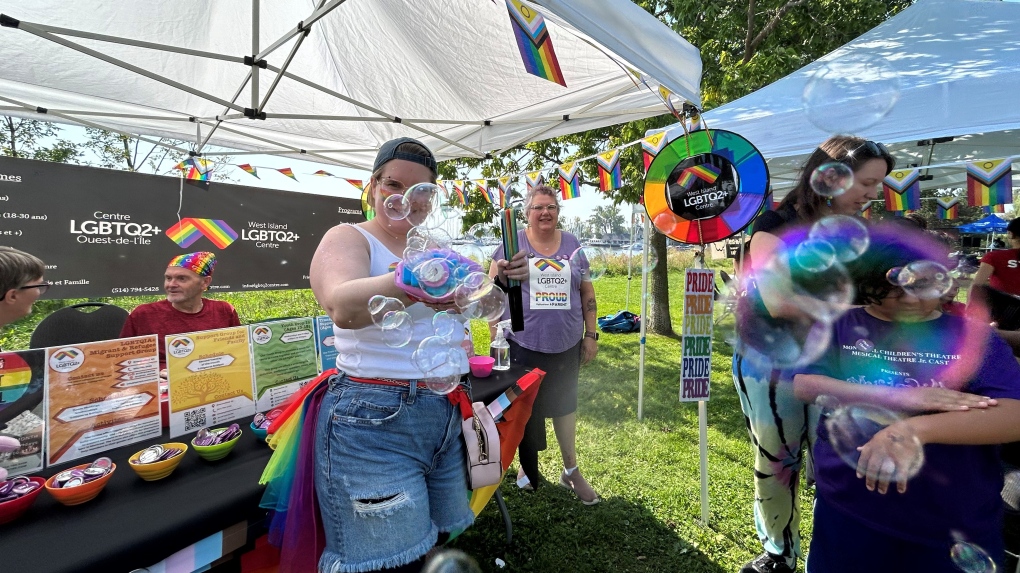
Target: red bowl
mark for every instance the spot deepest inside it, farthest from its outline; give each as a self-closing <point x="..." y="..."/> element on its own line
<point x="11" y="510"/>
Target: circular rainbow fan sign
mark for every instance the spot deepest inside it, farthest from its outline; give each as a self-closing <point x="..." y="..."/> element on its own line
<point x="366" y="206"/>
<point x="706" y="186"/>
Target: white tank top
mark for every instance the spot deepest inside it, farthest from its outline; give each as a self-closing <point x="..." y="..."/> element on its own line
<point x="362" y="353"/>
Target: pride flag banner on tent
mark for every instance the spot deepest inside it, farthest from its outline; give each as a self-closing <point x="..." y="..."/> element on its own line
<point x="902" y="190"/>
<point x="458" y="191"/>
<point x="667" y="98"/>
<point x="866" y="210"/>
<point x="989" y="182"/>
<point x="534" y="43"/>
<point x="947" y="209"/>
<point x="651" y="146"/>
<point x="321" y="173"/>
<point x="196" y="168"/>
<point x="288" y="172"/>
<point x="534" y="179"/>
<point x="989" y="209"/>
<point x="483" y="188"/>
<point x="250" y="170"/>
<point x="357" y="183"/>
<point x="570" y="184"/>
<point x="504" y="190"/>
<point x="609" y="170"/>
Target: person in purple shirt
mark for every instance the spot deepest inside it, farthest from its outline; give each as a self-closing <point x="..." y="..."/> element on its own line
<point x="957" y="387"/>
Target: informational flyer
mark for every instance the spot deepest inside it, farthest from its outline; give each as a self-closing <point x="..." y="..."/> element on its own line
<point x="284" y="359"/>
<point x="100" y="396"/>
<point x="210" y="378"/>
<point x="22" y="409"/>
<point x="696" y="358"/>
<point x="324" y="339"/>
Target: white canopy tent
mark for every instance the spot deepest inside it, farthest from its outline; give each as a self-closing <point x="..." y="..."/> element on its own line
<point x="331" y="80"/>
<point x="958" y="62"/>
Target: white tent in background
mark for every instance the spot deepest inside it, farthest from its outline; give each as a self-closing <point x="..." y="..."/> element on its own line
<point x="336" y="78"/>
<point x="958" y="62"/>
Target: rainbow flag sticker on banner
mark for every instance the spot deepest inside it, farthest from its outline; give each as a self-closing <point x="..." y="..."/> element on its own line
<point x="189" y="230"/>
<point x="902" y="190"/>
<point x="609" y="170"/>
<point x="990" y="182"/>
<point x="534" y="42"/>
<point x="570" y="184"/>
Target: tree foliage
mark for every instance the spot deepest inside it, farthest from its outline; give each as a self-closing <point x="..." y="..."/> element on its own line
<point x="33" y="139"/>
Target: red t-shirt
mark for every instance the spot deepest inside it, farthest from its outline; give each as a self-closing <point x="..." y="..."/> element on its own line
<point x="1006" y="273"/>
<point x="162" y="318"/>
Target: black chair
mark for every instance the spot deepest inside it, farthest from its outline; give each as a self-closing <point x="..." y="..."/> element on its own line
<point x="71" y="325"/>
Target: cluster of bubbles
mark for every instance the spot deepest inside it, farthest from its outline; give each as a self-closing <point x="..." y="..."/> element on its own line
<point x="922" y="279"/>
<point x="970" y="557"/>
<point x="851" y="93"/>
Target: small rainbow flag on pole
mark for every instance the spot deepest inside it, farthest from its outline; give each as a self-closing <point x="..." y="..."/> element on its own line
<point x="357" y="183"/>
<point x="504" y="191"/>
<point x="321" y="173"/>
<point x="570" y="180"/>
<point x="948" y="209"/>
<point x="866" y="210"/>
<point x="990" y="182"/>
<point x="534" y="179"/>
<point x="609" y="170"/>
<point x="534" y="42"/>
<point x="483" y="188"/>
<point x="458" y="190"/>
<point x="249" y="170"/>
<point x="189" y="230"/>
<point x="902" y="190"/>
<point x="651" y="146"/>
<point x="288" y="172"/>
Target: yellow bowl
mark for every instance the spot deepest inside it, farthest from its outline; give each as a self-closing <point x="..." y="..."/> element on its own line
<point x="84" y="492"/>
<point x="158" y="470"/>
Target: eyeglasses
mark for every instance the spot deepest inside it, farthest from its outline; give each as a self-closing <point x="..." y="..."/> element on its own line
<point x="391" y="186"/>
<point x="546" y="208"/>
<point x="43" y="287"/>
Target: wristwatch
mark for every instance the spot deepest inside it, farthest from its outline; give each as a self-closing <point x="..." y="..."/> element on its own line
<point x="594" y="335"/>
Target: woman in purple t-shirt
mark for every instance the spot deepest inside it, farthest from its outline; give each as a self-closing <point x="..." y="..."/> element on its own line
<point x="558" y="337"/>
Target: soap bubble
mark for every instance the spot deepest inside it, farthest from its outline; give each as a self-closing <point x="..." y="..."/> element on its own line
<point x="397" y="329"/>
<point x="847" y="235"/>
<point x="444" y="325"/>
<point x="489" y="306"/>
<point x="832" y="179"/>
<point x="780" y="342"/>
<point x="439" y="363"/>
<point x="475" y="253"/>
<point x="971" y="558"/>
<point x="425" y="206"/>
<point x="443" y="384"/>
<point x="396" y="207"/>
<point x="591" y="261"/>
<point x="925" y="279"/>
<point x="1011" y="490"/>
<point x="814" y="255"/>
<point x="637" y="259"/>
<point x="851" y="427"/>
<point x="893" y="275"/>
<point x="379" y="306"/>
<point x="850" y="94"/>
<point x="481" y="233"/>
<point x="471" y="289"/>
<point x="429" y="238"/>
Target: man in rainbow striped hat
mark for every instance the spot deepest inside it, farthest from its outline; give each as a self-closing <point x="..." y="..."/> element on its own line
<point x="187" y="277"/>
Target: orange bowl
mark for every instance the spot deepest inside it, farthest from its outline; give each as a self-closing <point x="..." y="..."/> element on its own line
<point x="11" y="510"/>
<point x="82" y="493"/>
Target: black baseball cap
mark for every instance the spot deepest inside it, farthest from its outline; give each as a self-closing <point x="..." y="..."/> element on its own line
<point x="388" y="152"/>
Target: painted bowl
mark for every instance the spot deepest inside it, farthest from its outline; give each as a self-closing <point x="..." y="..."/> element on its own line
<point x="82" y="493"/>
<point x="158" y="470"/>
<point x="260" y="433"/>
<point x="215" y="451"/>
<point x="11" y="510"/>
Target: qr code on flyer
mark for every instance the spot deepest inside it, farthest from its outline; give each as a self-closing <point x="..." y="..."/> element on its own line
<point x="194" y="419"/>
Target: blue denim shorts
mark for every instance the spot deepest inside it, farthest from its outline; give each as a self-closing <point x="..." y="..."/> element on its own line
<point x="390" y="474"/>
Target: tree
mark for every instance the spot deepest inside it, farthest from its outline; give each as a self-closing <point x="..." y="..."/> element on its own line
<point x="119" y="151"/>
<point x="27" y="138"/>
<point x="606" y="220"/>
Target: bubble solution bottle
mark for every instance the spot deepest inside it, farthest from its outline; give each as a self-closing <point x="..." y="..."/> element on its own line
<point x="499" y="350"/>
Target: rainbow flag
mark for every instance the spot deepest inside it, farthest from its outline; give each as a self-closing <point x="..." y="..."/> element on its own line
<point x="651" y="146"/>
<point x="288" y="172"/>
<point x="534" y="42"/>
<point x="198" y="169"/>
<point x="866" y="210"/>
<point x="504" y="190"/>
<point x="249" y="170"/>
<point x="483" y="188"/>
<point x="442" y="187"/>
<point x="543" y="264"/>
<point x="609" y="170"/>
<point x="321" y="173"/>
<point x="989" y="209"/>
<point x="189" y="230"/>
<point x="667" y="98"/>
<point x="902" y="190"/>
<point x="357" y="183"/>
<point x="948" y="209"/>
<point x="458" y="190"/>
<point x="570" y="180"/>
<point x="706" y="172"/>
<point x="990" y="182"/>
<point x="534" y="179"/>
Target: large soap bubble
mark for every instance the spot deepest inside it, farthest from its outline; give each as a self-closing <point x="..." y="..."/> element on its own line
<point x="379" y="306"/>
<point x="847" y="235"/>
<point x="445" y="325"/>
<point x="396" y="207"/>
<point x="397" y="329"/>
<point x="924" y="279"/>
<point x="852" y="426"/>
<point x="832" y="179"/>
<point x="439" y="363"/>
<point x="636" y="256"/>
<point x="851" y="93"/>
<point x="591" y="261"/>
<point x="488" y="307"/>
<point x="425" y="206"/>
<point x="971" y="558"/>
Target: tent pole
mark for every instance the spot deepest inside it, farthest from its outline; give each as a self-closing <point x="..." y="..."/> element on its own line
<point x="286" y="64"/>
<point x="254" y="50"/>
<point x="292" y="148"/>
<point x="129" y="42"/>
<point x="644" y="320"/>
<point x="319" y="12"/>
<point x="100" y="113"/>
<point x="629" y="257"/>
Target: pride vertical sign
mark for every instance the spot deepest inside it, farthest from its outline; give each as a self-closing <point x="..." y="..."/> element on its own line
<point x="696" y="357"/>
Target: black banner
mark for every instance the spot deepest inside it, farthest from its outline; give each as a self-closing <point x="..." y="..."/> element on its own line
<point x="111" y="233"/>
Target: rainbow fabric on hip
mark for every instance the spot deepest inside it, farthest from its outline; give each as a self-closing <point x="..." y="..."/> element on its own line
<point x="570" y="185"/>
<point x="989" y="182"/>
<point x="201" y="263"/>
<point x="609" y="170"/>
<point x="902" y="190"/>
<point x="534" y="43"/>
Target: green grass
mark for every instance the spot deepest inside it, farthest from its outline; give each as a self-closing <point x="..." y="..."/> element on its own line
<point x="646" y="472"/>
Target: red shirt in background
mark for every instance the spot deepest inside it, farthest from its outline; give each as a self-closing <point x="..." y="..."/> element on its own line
<point x="1006" y="273"/>
<point x="162" y="318"/>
